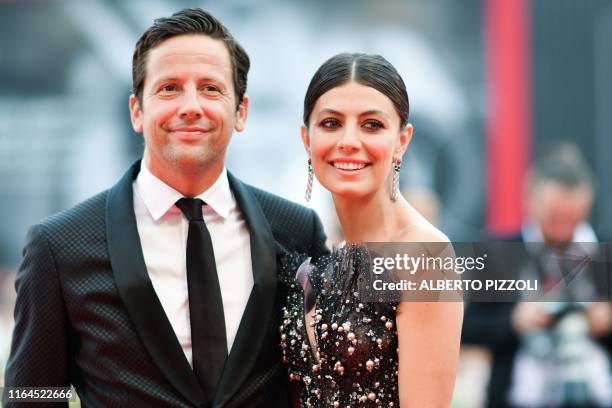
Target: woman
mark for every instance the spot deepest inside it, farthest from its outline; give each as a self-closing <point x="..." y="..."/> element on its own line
<point x="344" y="352"/>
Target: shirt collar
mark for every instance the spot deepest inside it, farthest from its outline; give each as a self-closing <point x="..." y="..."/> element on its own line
<point x="159" y="198"/>
<point x="583" y="233"/>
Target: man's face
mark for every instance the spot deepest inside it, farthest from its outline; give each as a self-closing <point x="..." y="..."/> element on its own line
<point x="188" y="110"/>
<point x="559" y="209"/>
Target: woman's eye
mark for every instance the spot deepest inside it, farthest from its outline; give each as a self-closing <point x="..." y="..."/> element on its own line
<point x="373" y="125"/>
<point x="330" y="123"/>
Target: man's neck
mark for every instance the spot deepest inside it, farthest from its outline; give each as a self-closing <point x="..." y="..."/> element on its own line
<point x="190" y="181"/>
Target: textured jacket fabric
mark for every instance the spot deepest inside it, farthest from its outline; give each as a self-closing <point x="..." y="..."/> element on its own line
<point x="87" y="314"/>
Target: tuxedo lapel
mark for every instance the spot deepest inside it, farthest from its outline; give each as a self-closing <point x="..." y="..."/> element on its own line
<point x="138" y="294"/>
<point x="260" y="306"/>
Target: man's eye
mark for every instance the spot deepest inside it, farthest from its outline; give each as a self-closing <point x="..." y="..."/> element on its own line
<point x="330" y="123"/>
<point x="168" y="88"/>
<point x="373" y="125"/>
<point x="210" y="89"/>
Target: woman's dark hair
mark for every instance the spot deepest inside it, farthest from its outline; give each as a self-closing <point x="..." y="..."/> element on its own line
<point x="189" y="21"/>
<point x="366" y="69"/>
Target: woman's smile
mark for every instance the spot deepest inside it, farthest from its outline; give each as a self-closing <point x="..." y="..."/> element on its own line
<point x="349" y="166"/>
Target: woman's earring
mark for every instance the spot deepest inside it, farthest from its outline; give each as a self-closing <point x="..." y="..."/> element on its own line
<point x="395" y="187"/>
<point x="310" y="180"/>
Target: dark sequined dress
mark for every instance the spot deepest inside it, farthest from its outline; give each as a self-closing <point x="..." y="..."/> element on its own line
<point x="354" y="359"/>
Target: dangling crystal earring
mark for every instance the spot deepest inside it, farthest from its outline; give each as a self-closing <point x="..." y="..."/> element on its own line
<point x="310" y="180"/>
<point x="395" y="187"/>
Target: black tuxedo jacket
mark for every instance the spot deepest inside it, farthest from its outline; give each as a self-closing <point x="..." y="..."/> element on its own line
<point x="87" y="314"/>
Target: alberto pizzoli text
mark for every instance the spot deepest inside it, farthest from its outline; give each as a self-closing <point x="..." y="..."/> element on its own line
<point x="457" y="285"/>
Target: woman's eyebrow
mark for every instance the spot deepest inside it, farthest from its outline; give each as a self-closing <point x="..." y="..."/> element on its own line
<point x="330" y="111"/>
<point x="374" y="112"/>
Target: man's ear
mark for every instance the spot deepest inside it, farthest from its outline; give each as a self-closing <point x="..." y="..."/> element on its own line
<point x="305" y="139"/>
<point x="241" y="114"/>
<point x="135" y="114"/>
<point x="403" y="141"/>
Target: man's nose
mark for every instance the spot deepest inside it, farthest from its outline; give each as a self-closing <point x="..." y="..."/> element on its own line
<point x="191" y="105"/>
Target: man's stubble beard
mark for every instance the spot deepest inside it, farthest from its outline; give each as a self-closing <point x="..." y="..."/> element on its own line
<point x="198" y="158"/>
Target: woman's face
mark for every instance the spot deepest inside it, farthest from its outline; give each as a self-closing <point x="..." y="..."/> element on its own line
<point x="353" y="137"/>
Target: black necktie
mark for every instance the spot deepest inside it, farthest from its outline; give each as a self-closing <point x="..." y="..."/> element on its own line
<point x="208" y="340"/>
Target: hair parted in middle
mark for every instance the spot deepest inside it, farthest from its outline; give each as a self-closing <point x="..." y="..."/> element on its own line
<point x="365" y="69"/>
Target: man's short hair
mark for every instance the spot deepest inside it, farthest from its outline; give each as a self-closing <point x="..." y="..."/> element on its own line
<point x="562" y="164"/>
<point x="189" y="21"/>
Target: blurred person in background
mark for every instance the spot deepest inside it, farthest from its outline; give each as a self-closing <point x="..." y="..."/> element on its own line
<point x="554" y="352"/>
<point x="162" y="291"/>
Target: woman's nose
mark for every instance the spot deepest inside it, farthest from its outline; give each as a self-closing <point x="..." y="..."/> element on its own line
<point x="349" y="141"/>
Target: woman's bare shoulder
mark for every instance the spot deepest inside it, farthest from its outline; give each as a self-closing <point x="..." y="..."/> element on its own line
<point x="421" y="231"/>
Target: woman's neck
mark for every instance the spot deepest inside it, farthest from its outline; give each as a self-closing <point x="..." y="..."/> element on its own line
<point x="373" y="218"/>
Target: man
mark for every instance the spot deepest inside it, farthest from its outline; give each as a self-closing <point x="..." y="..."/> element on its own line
<point x="558" y="202"/>
<point x="129" y="296"/>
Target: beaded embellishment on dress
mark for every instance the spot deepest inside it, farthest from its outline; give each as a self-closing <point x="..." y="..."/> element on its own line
<point x="353" y="361"/>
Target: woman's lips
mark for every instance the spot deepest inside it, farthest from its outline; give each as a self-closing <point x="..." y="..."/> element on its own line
<point x="349" y="166"/>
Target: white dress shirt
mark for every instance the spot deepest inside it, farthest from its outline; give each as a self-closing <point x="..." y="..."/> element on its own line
<point x="163" y="235"/>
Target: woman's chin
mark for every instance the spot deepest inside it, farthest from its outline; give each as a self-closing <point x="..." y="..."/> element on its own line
<point x="351" y="193"/>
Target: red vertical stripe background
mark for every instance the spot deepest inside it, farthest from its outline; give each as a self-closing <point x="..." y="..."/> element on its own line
<point x="508" y="127"/>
